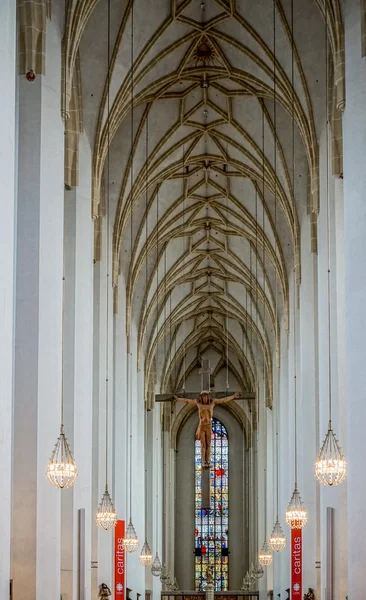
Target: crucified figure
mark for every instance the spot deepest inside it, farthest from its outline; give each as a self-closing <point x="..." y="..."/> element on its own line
<point x="205" y="406"/>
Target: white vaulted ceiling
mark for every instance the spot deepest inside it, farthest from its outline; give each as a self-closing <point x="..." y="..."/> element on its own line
<point x="215" y="225"/>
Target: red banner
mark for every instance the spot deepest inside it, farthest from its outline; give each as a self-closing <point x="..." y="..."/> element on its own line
<point x="296" y="564"/>
<point x="119" y="561"/>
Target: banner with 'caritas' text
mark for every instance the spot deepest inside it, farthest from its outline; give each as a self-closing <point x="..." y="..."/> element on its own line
<point x="119" y="561"/>
<point x="296" y="564"/>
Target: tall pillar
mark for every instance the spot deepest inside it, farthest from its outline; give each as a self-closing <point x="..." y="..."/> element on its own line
<point x="8" y="207"/>
<point x="78" y="373"/>
<point x="37" y="397"/>
<point x="355" y="277"/>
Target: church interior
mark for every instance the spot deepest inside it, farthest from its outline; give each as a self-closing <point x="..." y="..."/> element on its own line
<point x="182" y="292"/>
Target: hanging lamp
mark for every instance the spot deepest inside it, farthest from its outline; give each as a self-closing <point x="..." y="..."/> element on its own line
<point x="164" y="575"/>
<point x="330" y="467"/>
<point x="131" y="541"/>
<point x="265" y="555"/>
<point x="258" y="570"/>
<point x="277" y="540"/>
<point x="146" y="557"/>
<point x="156" y="566"/>
<point x="106" y="516"/>
<point x="61" y="470"/>
<point x="296" y="514"/>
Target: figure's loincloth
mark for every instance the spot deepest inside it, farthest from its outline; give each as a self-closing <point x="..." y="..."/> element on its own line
<point x="206" y="428"/>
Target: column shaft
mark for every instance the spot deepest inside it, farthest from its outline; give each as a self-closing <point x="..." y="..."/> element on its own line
<point x="355" y="277"/>
<point x="8" y="208"/>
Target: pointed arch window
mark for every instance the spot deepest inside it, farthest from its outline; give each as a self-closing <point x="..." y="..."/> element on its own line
<point x="212" y="526"/>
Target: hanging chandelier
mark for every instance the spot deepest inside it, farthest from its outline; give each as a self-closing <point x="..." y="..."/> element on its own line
<point x="258" y="570"/>
<point x="61" y="469"/>
<point x="130" y="541"/>
<point x="277" y="541"/>
<point x="296" y="514"/>
<point x="106" y="517"/>
<point x="164" y="576"/>
<point x="330" y="467"/>
<point x="156" y="566"/>
<point x="245" y="586"/>
<point x="146" y="557"/>
<point x="265" y="555"/>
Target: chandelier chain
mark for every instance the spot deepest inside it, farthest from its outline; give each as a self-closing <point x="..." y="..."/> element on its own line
<point x="328" y="214"/>
<point x="295" y="234"/>
<point x="131" y="232"/>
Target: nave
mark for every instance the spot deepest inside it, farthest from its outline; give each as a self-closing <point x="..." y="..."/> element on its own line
<point x="182" y="291"/>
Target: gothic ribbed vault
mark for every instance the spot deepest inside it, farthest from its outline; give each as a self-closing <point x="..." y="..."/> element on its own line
<point x="215" y="227"/>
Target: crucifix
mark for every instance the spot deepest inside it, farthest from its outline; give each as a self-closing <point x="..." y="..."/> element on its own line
<point x="205" y="402"/>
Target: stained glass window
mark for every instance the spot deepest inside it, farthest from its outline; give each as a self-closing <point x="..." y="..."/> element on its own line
<point x="212" y="526"/>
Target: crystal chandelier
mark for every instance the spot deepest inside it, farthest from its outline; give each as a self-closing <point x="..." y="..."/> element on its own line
<point x="130" y="541"/>
<point x="146" y="558"/>
<point x="246" y="585"/>
<point x="265" y="555"/>
<point x="156" y="566"/>
<point x="61" y="469"/>
<point x="296" y="514"/>
<point x="330" y="467"/>
<point x="106" y="517"/>
<point x="277" y="541"/>
<point x="164" y="575"/>
<point x="258" y="570"/>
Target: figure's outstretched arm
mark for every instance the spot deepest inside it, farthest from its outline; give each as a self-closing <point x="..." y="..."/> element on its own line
<point x="185" y="400"/>
<point x="227" y="399"/>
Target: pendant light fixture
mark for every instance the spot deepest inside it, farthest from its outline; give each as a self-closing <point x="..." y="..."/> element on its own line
<point x="296" y="514"/>
<point x="265" y="555"/>
<point x="277" y="541"/>
<point x="61" y="469"/>
<point x="146" y="557"/>
<point x="106" y="517"/>
<point x="330" y="467"/>
<point x="156" y="567"/>
<point x="131" y="541"/>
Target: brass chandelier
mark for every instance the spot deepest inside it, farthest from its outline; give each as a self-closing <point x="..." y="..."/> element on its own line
<point x="330" y="466"/>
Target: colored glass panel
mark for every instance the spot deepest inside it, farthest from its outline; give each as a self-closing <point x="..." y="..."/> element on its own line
<point x="212" y="526"/>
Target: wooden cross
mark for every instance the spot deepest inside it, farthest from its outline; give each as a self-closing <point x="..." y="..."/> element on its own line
<point x="205" y="373"/>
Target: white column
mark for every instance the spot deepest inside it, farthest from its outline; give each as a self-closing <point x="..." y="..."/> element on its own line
<point x="355" y="277"/>
<point x="78" y="371"/>
<point x="37" y="399"/>
<point x="8" y="210"/>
